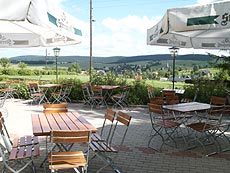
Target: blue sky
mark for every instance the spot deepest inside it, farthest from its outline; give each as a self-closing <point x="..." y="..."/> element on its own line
<point x="119" y="29"/>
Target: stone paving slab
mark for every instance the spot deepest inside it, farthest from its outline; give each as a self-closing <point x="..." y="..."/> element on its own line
<point x="135" y="155"/>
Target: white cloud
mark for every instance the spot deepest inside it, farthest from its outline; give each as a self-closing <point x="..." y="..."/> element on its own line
<point x="125" y="36"/>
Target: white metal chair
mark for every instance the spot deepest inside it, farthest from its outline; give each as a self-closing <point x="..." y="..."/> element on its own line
<point x="17" y="154"/>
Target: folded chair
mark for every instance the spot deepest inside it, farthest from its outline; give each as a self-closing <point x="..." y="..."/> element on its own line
<point x="104" y="149"/>
<point x="18" y="154"/>
<point x="109" y="118"/>
<point x="77" y="160"/>
<point x="87" y="94"/>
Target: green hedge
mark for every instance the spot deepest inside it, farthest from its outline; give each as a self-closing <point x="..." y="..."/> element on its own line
<point x="137" y="89"/>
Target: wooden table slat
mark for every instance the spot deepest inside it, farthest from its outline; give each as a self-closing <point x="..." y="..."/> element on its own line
<point x="71" y="122"/>
<point x="85" y="122"/>
<point x="52" y="122"/>
<point x="59" y="120"/>
<point x="36" y="124"/>
<point x="44" y="124"/>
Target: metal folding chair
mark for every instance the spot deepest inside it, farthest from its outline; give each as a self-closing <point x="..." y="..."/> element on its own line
<point x="162" y="125"/>
<point x="36" y="94"/>
<point x="62" y="95"/>
<point x="87" y="94"/>
<point x="206" y="130"/>
<point x="109" y="118"/>
<point x="18" y="154"/>
<point x="121" y="100"/>
<point x="97" y="97"/>
<point x="61" y="159"/>
<point x="104" y="149"/>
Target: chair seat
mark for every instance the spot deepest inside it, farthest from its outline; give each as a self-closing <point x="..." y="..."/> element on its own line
<point x="172" y="117"/>
<point x="25" y="140"/>
<point x="117" y="96"/>
<point x="202" y="126"/>
<point x="98" y="146"/>
<point x="37" y="95"/>
<point x="66" y="160"/>
<point x="24" y="152"/>
<point x="168" y="124"/>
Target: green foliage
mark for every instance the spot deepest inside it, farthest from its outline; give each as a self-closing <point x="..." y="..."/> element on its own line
<point x="5" y="62"/>
<point x="101" y="78"/>
<point x="22" y="65"/>
<point x="207" y="88"/>
<point x="222" y="63"/>
<point x="138" y="93"/>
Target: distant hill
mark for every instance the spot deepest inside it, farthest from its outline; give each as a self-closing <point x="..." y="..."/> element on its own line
<point x="108" y="61"/>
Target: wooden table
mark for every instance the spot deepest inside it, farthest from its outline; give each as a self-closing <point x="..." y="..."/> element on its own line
<point x="188" y="107"/>
<point x="44" y="123"/>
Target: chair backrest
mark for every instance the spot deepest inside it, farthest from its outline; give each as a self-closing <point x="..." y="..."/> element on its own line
<point x="170" y="100"/>
<point x="108" y="117"/>
<point x="67" y="159"/>
<point x="97" y="90"/>
<point x="67" y="88"/>
<point x="217" y="100"/>
<point x="124" y="119"/>
<point x="157" y="100"/>
<point x="216" y="113"/>
<point x="55" y="108"/>
<point x="166" y="93"/>
<point x="67" y="137"/>
<point x="33" y="87"/>
<point x="155" y="109"/>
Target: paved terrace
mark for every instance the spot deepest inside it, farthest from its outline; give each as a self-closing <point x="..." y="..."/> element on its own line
<point x="135" y="156"/>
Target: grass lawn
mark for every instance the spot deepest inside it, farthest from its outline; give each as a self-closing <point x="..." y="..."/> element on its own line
<point x="83" y="78"/>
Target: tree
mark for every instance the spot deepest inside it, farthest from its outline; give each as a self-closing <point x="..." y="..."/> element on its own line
<point x="22" y="65"/>
<point x="223" y="63"/>
<point x="75" y="67"/>
<point x="5" y="62"/>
